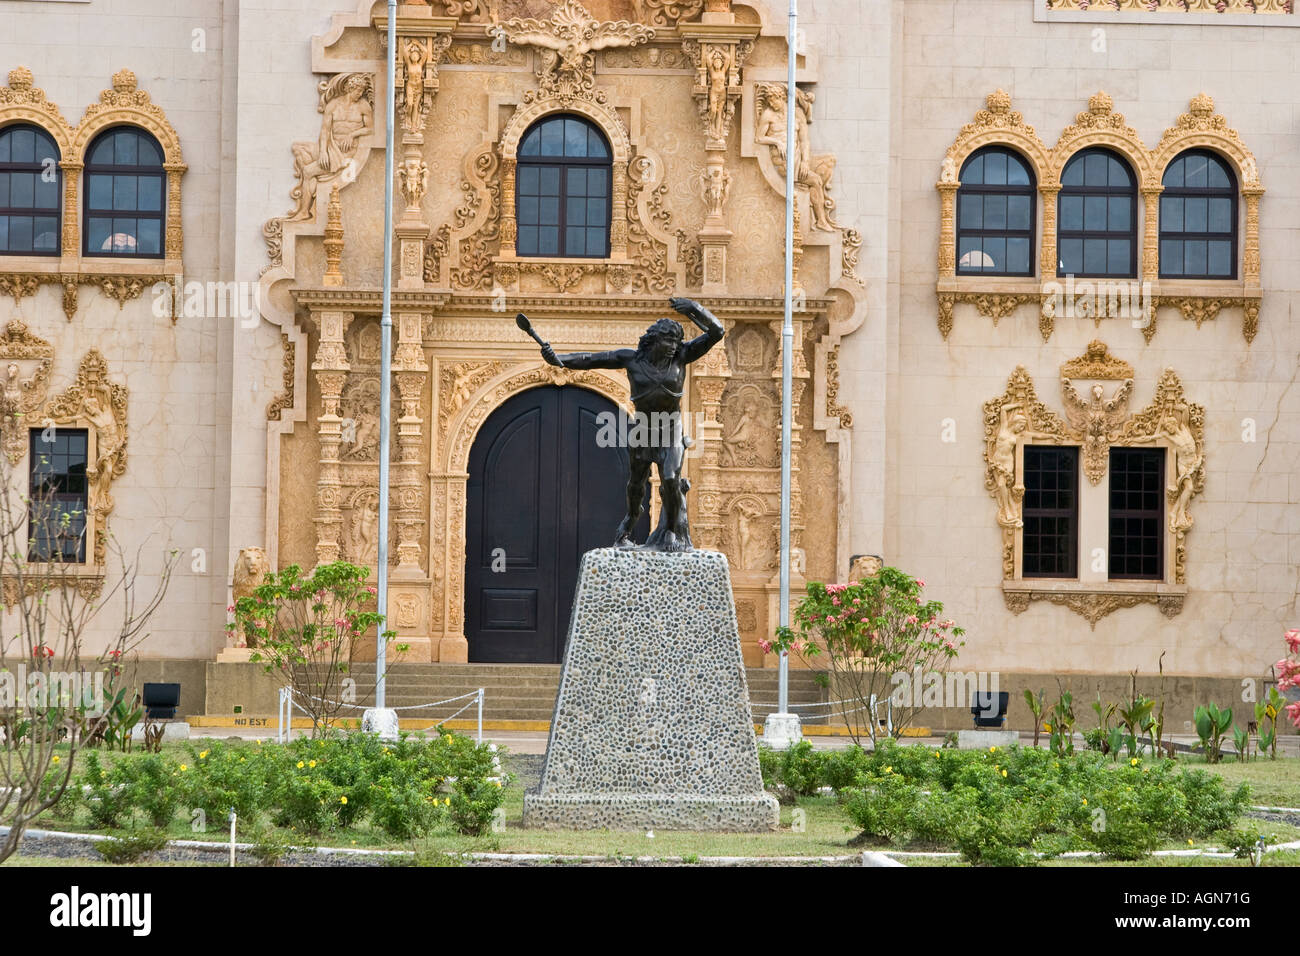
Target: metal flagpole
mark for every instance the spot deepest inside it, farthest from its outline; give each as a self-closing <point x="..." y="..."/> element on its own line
<point x="787" y="356"/>
<point x="386" y="359"/>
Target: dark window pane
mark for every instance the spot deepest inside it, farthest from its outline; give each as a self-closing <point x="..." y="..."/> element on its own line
<point x="1117" y="256"/>
<point x="101" y="192"/>
<point x="22" y="190"/>
<point x="148" y="236"/>
<point x="549" y="180"/>
<point x="577" y="181"/>
<point x="574" y="241"/>
<point x="552" y="139"/>
<point x="595" y="241"/>
<point x="1194" y="257"/>
<point x="124" y="193"/>
<point x="995" y="169"/>
<point x="575" y="211"/>
<point x="1071" y="213"/>
<point x="1197" y="172"/>
<point x="1120" y="213"/>
<point x="1174" y="174"/>
<point x="1094" y="256"/>
<point x="1017" y="255"/>
<point x="1220" y="214"/>
<point x="23" y="146"/>
<point x="528" y="179"/>
<point x="20" y="233"/>
<point x="124" y="149"/>
<point x="548" y="240"/>
<point x="1171" y="256"/>
<point x="1095" y="167"/>
<point x="1071" y="254"/>
<point x="97" y="233"/>
<point x="971" y="212"/>
<point x="1171" y="213"/>
<point x="150" y="193"/>
<point x="1017" y="172"/>
<point x="1196" y="214"/>
<point x="995" y="253"/>
<point x="1018" y="213"/>
<point x="995" y="212"/>
<point x="1136" y="523"/>
<point x="1050" y="515"/>
<point x="1094" y="213"/>
<point x="973" y="171"/>
<point x="45" y="233"/>
<point x="526" y="243"/>
<point x="1219" y="178"/>
<point x="1073" y="173"/>
<point x="1220" y="257"/>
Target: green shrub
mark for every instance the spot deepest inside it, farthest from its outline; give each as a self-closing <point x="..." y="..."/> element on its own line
<point x="104" y="796"/>
<point x="148" y="785"/>
<point x="473" y="803"/>
<point x="801" y="769"/>
<point x="769" y="765"/>
<point x="883" y="806"/>
<point x="132" y="847"/>
<point x="216" y="778"/>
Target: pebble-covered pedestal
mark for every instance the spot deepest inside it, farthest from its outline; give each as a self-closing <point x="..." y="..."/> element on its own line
<point x="652" y="727"/>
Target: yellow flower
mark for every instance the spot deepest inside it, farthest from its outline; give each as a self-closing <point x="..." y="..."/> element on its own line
<point x="241" y="759"/>
<point x="301" y="765"/>
<point x="446" y="738"/>
<point x="936" y="753"/>
<point x="1085" y="801"/>
<point x="54" y="759"/>
<point x="311" y="763"/>
<point x="1047" y="727"/>
<point x="1191" y="842"/>
<point x="182" y="768"/>
<point x="343" y="800"/>
<point x="1133" y="762"/>
<point x="447" y="801"/>
<point x="1004" y="773"/>
<point x="203" y="755"/>
<point x="497" y="782"/>
<point x="889" y="770"/>
<point x="993" y="750"/>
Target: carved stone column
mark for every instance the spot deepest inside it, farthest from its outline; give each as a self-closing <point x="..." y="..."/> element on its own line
<point x="333" y="240"/>
<point x="1048" y="262"/>
<point x="509" y="222"/>
<point x="174" y="243"/>
<point x="798" y="383"/>
<point x="422" y="39"/>
<point x="1250" y="246"/>
<point x="717" y="47"/>
<point x="412" y="374"/>
<point x="710" y="374"/>
<point x="948" y="229"/>
<point x="71" y="207"/>
<point x="1151" y="233"/>
<point x="331" y="367"/>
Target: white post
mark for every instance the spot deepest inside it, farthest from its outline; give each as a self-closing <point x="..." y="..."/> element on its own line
<point x="232" y="836"/>
<point x="480" y="715"/>
<point x="379" y="717"/>
<point x="782" y="728"/>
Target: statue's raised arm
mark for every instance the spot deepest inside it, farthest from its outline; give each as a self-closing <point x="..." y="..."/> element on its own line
<point x="711" y="327"/>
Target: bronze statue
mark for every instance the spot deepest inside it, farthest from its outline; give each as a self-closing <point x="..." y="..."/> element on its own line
<point x="656" y="372"/>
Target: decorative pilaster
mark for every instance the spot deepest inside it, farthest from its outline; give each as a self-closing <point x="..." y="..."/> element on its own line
<point x="333" y="240"/>
<point x="509" y="224"/>
<point x="1151" y="233"/>
<point x="710" y="375"/>
<point x="411" y="373"/>
<point x="1048" y="261"/>
<point x="71" y="206"/>
<point x="948" y="229"/>
<point x="1250" y="246"/>
<point x="331" y="367"/>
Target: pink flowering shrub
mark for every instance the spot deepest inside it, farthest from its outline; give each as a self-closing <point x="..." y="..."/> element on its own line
<point x="1288" y="671"/>
<point x="870" y="631"/>
<point x="306" y="629"/>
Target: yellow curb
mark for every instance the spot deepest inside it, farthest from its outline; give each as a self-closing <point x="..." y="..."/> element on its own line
<point x="240" y="722"/>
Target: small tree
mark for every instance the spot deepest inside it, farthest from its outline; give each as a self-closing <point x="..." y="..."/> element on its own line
<point x="50" y="708"/>
<point x="870" y="631"/>
<point x="306" y="630"/>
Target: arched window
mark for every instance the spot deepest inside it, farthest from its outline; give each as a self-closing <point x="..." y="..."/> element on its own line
<point x="563" y="202"/>
<point x="995" y="214"/>
<point x="1198" y="218"/>
<point x="125" y="194"/>
<point x="1097" y="217"/>
<point x="30" y="186"/>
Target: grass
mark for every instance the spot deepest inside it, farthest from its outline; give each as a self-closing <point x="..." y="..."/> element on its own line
<point x="825" y="829"/>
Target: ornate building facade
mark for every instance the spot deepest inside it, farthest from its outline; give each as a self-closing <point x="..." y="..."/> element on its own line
<point x="988" y="197"/>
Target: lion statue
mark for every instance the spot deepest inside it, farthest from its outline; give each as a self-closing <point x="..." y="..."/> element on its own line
<point x="251" y="568"/>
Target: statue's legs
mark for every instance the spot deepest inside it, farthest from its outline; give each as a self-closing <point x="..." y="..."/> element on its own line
<point x="673" y="533"/>
<point x="639" y="473"/>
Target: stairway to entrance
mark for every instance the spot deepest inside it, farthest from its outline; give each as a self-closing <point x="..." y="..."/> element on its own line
<point x="527" y="691"/>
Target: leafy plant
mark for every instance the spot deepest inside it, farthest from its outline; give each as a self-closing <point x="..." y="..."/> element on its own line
<point x="270" y="846"/>
<point x="1061" y="741"/>
<point x="105" y="798"/>
<point x="148" y="786"/>
<point x="305" y="628"/>
<point x="132" y="847"/>
<point x="1035" y="705"/>
<point x="1240" y="740"/>
<point x="1267" y="711"/>
<point x="1136" y="717"/>
<point x="473" y="804"/>
<point x="1211" y="726"/>
<point x="871" y="630"/>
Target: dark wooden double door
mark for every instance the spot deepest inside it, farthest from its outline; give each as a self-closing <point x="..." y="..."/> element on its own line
<point x="542" y="491"/>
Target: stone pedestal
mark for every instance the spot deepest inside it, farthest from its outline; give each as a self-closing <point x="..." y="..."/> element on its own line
<point x="781" y="731"/>
<point x="652" y="727"/>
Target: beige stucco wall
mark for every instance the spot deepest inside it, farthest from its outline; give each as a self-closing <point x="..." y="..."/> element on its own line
<point x="1244" y="548"/>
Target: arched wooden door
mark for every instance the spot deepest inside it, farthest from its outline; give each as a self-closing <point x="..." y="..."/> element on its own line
<point x="541" y="492"/>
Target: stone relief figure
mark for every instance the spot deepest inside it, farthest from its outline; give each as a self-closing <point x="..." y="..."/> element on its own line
<point x="348" y="117"/>
<point x="949" y="172"/>
<point x="365" y="532"/>
<point x="744" y="444"/>
<point x="418" y="52"/>
<point x="1001" y="457"/>
<point x="20" y="402"/>
<point x="717" y="67"/>
<point x="110" y="445"/>
<point x="251" y="568"/>
<point x="1097" y="419"/>
<point x="811" y="172"/>
<point x="715" y="183"/>
<point x="1175" y="426"/>
<point x="747" y="514"/>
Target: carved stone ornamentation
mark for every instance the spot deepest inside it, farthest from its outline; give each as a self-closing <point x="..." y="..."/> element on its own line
<point x="566" y="43"/>
<point x="347" y="116"/>
<point x="812" y="172"/>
